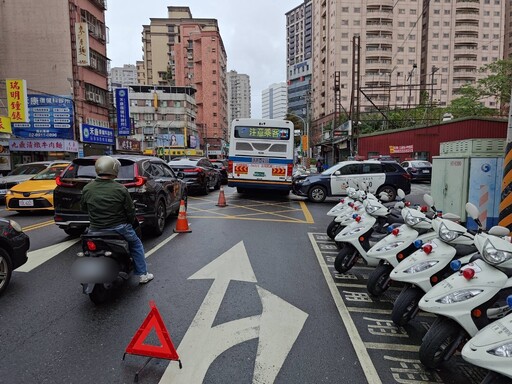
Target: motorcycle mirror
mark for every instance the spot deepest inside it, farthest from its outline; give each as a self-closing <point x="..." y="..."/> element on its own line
<point x="401" y="194"/>
<point x="428" y="200"/>
<point x="363" y="186"/>
<point x="384" y="196"/>
<point x="499" y="231"/>
<point x="399" y="205"/>
<point x="472" y="211"/>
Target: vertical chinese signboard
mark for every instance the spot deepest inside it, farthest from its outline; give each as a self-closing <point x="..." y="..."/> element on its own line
<point x="123" y="112"/>
<point x="82" y="44"/>
<point x="17" y="100"/>
<point x="5" y="125"/>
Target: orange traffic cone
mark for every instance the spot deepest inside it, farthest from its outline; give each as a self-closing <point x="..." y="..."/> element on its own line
<point x="182" y="223"/>
<point x="222" y="198"/>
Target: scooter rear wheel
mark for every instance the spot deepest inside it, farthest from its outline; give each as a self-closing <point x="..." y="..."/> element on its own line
<point x="345" y="259"/>
<point x="438" y="344"/>
<point x="378" y="281"/>
<point x="99" y="294"/>
<point x="406" y="305"/>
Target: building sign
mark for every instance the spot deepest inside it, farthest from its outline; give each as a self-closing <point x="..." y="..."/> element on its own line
<point x="17" y="100"/>
<point x="82" y="44"/>
<point x="128" y="145"/>
<point x="170" y="140"/>
<point x="5" y="125"/>
<point x="5" y="158"/>
<point x="123" y="112"/>
<point x="96" y="135"/>
<point x="43" y="145"/>
<point x="400" y="149"/>
<point x="49" y="117"/>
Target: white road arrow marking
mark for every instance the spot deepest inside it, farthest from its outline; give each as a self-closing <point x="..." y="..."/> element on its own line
<point x="40" y="256"/>
<point x="277" y="327"/>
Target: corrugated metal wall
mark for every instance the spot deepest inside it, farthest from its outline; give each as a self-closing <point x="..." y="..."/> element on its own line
<point x="428" y="139"/>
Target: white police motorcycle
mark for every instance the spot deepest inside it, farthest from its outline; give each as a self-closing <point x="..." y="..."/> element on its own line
<point x="469" y="299"/>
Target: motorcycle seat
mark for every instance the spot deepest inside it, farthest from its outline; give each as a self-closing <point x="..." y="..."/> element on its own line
<point x="103" y="233"/>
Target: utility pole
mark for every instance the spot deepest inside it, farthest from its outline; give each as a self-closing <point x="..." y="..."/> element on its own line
<point x="355" y="99"/>
<point x="431" y="109"/>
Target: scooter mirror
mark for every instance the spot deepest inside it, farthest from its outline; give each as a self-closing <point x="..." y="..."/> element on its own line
<point x="363" y="186"/>
<point x="384" y="196"/>
<point x="428" y="200"/>
<point x="499" y="231"/>
<point x="399" y="205"/>
<point x="472" y="211"/>
<point x="401" y="194"/>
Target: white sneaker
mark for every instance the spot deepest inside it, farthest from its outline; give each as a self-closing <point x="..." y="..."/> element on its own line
<point x="146" y="278"/>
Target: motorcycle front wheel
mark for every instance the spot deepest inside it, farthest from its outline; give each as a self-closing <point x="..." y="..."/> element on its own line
<point x="99" y="294"/>
<point x="346" y="258"/>
<point x="378" y="281"/>
<point x="406" y="305"/>
<point x="333" y="229"/>
<point x="438" y="345"/>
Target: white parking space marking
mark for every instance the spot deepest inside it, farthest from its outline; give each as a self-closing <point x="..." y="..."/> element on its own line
<point x="364" y="358"/>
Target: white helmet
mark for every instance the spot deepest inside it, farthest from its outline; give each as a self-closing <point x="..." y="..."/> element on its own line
<point x="107" y="165"/>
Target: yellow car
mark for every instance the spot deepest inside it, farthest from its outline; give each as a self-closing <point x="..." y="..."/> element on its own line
<point x="35" y="194"/>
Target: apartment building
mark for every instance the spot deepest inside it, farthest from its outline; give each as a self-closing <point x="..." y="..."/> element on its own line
<point x="299" y="37"/>
<point x="62" y="55"/>
<point x="123" y="76"/>
<point x="404" y="49"/>
<point x="274" y="101"/>
<point x="239" y="95"/>
<point x="184" y="51"/>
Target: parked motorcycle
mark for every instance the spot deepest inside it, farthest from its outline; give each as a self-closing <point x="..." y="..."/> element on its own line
<point x="104" y="264"/>
<point x="469" y="299"/>
<point x="491" y="348"/>
<point x="364" y="232"/>
<point x="343" y="211"/>
<point x="398" y="245"/>
<point x="430" y="264"/>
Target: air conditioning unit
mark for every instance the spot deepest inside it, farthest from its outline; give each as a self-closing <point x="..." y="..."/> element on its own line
<point x="90" y="95"/>
<point x="97" y="98"/>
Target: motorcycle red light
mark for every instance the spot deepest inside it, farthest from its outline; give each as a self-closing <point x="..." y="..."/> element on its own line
<point x="351" y="204"/>
<point x="476" y="312"/>
<point x="424" y="208"/>
<point x="90" y="245"/>
<point x="427" y="248"/>
<point x="407" y="203"/>
<point x="434" y="279"/>
<point x="358" y="219"/>
<point x="468" y="273"/>
<point x="342" y="201"/>
<point x="395" y="231"/>
<point x="361" y="239"/>
<point x="400" y="256"/>
<point x="356" y="207"/>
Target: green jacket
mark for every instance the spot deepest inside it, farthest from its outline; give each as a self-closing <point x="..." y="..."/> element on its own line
<point x="108" y="204"/>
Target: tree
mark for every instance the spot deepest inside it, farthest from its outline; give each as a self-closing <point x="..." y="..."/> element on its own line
<point x="498" y="83"/>
<point x="469" y="104"/>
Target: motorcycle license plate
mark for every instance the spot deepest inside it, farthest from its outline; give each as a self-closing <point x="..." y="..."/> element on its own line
<point x="26" y="203"/>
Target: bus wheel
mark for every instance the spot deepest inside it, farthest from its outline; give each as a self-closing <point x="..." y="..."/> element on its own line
<point x="317" y="194"/>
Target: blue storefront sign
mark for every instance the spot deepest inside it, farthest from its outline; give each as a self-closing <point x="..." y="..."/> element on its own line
<point x="123" y="112"/>
<point x="49" y="117"/>
<point x="97" y="135"/>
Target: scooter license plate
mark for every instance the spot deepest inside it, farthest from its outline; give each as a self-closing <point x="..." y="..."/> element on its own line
<point x="94" y="270"/>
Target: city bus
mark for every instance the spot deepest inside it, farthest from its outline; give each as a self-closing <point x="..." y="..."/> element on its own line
<point x="261" y="155"/>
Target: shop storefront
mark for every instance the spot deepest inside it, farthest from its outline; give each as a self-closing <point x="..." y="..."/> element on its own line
<point x="20" y="151"/>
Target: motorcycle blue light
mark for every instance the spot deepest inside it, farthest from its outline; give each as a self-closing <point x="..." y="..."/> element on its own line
<point x="509" y="301"/>
<point x="354" y="215"/>
<point x="390" y="228"/>
<point x="418" y="244"/>
<point x="455" y="265"/>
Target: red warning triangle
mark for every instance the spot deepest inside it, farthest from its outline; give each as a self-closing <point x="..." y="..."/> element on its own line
<point x="154" y="321"/>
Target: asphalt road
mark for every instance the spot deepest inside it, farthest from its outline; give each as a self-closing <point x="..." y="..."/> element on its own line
<point x="249" y="296"/>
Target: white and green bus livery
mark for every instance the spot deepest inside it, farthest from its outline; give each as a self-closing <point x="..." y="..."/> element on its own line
<point x="261" y="155"/>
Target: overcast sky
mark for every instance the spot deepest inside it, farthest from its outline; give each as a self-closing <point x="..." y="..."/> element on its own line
<point x="253" y="32"/>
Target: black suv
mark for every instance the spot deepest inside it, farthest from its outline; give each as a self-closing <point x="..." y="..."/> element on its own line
<point x="200" y="174"/>
<point x="155" y="188"/>
<point x="380" y="176"/>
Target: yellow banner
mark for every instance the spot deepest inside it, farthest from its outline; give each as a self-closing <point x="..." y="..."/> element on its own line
<point x="5" y="125"/>
<point x="305" y="142"/>
<point x="17" y="103"/>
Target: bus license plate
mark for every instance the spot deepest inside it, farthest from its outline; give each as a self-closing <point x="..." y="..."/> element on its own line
<point x="26" y="203"/>
<point x="259" y="160"/>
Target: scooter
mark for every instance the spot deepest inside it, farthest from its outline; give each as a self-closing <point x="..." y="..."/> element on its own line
<point x="430" y="264"/>
<point x="364" y="232"/>
<point x="469" y="299"/>
<point x="398" y="245"/>
<point x="491" y="348"/>
<point x="104" y="264"/>
<point x="343" y="211"/>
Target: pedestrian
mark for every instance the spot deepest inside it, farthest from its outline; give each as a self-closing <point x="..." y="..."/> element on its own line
<point x="111" y="207"/>
<point x="319" y="166"/>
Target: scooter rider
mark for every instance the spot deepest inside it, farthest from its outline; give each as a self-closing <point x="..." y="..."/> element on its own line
<point x="110" y="206"/>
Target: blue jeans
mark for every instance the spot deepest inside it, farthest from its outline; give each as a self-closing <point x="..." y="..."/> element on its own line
<point x="136" y="247"/>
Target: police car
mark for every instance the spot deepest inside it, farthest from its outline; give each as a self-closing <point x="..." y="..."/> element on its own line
<point x="379" y="176"/>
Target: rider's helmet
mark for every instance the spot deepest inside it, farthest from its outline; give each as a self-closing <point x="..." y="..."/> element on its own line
<point x="107" y="165"/>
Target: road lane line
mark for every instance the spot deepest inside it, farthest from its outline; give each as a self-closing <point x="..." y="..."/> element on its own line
<point x="359" y="346"/>
<point x="160" y="245"/>
<point x="37" y="225"/>
<point x="307" y="214"/>
<point x="42" y="255"/>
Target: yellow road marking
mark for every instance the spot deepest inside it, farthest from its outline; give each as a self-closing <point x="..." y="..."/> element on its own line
<point x="31" y="227"/>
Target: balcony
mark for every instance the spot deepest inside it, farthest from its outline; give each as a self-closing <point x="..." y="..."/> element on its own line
<point x="101" y="4"/>
<point x="467" y="39"/>
<point x="386" y="26"/>
<point x="467" y="18"/>
<point x="466" y="26"/>
<point x="389" y="3"/>
<point x="380" y="13"/>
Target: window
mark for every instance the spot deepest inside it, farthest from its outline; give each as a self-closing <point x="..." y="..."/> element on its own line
<point x="372" y="168"/>
<point x="351" y="169"/>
